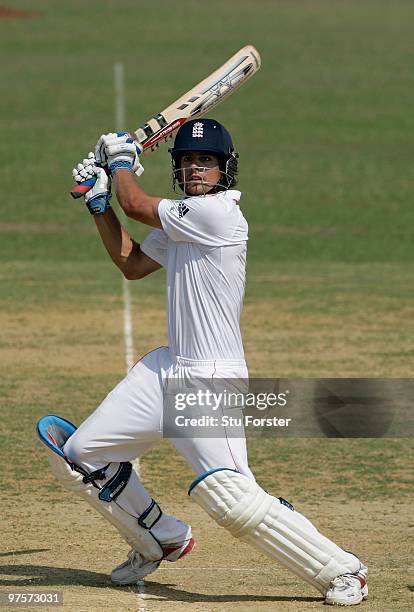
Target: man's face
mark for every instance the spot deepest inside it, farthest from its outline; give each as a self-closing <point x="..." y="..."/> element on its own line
<point x="200" y="172"/>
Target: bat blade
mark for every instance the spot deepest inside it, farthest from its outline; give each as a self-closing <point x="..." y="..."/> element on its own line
<point x="205" y="96"/>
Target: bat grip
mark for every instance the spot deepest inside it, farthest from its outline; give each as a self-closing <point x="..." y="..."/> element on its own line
<point x="82" y="188"/>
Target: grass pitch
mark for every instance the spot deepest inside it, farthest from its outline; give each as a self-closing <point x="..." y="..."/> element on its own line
<point x="324" y="137"/>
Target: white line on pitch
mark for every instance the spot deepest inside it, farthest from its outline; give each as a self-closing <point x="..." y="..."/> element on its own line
<point x="266" y="570"/>
<point x="119" y="84"/>
<point x="260" y="570"/>
<point x="141" y="596"/>
<point x="129" y="342"/>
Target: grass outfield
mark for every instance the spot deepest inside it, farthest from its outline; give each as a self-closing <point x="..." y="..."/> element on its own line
<point x="326" y="156"/>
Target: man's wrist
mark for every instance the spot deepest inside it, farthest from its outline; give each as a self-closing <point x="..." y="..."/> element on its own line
<point x="120" y="165"/>
<point x="98" y="205"/>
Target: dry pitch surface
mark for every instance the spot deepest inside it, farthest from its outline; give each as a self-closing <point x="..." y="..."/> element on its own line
<point x="67" y="548"/>
<point x="354" y="493"/>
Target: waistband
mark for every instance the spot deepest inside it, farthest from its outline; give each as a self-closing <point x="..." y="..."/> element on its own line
<point x="185" y="361"/>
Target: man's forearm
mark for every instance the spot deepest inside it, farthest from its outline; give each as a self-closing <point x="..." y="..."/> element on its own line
<point x="116" y="239"/>
<point x="123" y="250"/>
<point x="134" y="201"/>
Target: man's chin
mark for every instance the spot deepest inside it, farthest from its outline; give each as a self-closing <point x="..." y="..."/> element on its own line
<point x="197" y="189"/>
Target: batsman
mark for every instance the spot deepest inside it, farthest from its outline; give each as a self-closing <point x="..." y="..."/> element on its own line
<point x="200" y="238"/>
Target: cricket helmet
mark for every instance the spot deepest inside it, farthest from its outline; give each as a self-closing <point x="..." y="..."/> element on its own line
<point x="209" y="136"/>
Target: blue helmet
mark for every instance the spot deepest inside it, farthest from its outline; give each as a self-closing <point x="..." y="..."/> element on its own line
<point x="210" y="136"/>
<point x="203" y="135"/>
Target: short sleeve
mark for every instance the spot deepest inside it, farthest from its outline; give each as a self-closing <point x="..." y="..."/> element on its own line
<point x="213" y="220"/>
<point x="155" y="246"/>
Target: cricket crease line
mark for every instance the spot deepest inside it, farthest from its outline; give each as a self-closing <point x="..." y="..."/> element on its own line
<point x="266" y="570"/>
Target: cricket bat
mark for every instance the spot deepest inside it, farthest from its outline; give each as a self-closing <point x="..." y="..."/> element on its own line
<point x="195" y="103"/>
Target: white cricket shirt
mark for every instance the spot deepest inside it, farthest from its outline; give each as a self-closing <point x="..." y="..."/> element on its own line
<point x="203" y="246"/>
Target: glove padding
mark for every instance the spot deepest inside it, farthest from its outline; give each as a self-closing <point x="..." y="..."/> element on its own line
<point x="97" y="198"/>
<point x="119" y="151"/>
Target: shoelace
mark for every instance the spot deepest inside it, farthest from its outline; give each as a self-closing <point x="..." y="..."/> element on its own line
<point x="345" y="581"/>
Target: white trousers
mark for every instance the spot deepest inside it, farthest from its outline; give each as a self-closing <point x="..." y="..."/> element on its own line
<point x="129" y="422"/>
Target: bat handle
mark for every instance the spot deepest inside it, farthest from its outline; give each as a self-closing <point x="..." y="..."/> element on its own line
<point x="82" y="188"/>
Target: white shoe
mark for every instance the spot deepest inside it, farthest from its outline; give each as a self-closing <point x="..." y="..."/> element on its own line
<point x="136" y="567"/>
<point x="133" y="569"/>
<point x="348" y="589"/>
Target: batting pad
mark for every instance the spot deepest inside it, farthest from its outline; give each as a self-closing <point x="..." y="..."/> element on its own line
<point x="54" y="431"/>
<point x="249" y="513"/>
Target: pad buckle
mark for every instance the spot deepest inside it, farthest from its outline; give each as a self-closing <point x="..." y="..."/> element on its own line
<point x="284" y="502"/>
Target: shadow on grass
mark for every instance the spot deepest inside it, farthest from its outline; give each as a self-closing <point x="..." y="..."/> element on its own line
<point x="42" y="576"/>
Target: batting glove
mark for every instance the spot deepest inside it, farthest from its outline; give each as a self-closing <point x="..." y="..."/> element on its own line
<point x="97" y="198"/>
<point x="120" y="152"/>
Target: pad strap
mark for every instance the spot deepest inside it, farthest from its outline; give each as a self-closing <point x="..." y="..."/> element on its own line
<point x="117" y="484"/>
<point x="114" y="486"/>
<point x="96" y="475"/>
<point x="150" y="516"/>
